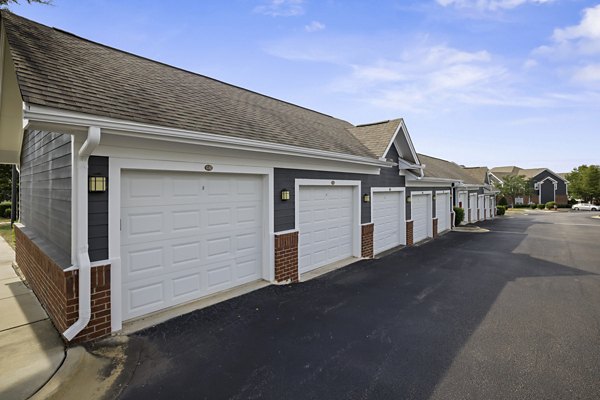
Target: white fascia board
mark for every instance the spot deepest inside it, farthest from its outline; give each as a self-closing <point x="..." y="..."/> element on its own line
<point x="409" y="140"/>
<point x="38" y="117"/>
<point x="422" y="183"/>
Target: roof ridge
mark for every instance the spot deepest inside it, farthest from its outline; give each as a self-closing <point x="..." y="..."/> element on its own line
<point x="62" y="31"/>
<point x="373" y="123"/>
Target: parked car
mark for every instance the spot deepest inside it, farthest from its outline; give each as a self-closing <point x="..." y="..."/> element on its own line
<point x="585" y="207"/>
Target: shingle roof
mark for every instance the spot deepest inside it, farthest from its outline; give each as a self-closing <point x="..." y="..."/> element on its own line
<point x="63" y="71"/>
<point x="528" y="173"/>
<point x="377" y="136"/>
<point x="480" y="174"/>
<point x="438" y="168"/>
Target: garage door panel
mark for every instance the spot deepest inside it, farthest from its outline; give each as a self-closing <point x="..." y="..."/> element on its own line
<point x="420" y="216"/>
<point x="197" y="238"/>
<point x="325" y="225"/>
<point x="387" y="220"/>
<point x="442" y="207"/>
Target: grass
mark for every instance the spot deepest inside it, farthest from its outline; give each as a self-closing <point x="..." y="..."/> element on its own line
<point x="7" y="232"/>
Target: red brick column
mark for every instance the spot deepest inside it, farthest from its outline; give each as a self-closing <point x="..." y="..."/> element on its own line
<point x="286" y="257"/>
<point x="366" y="248"/>
<point x="562" y="199"/>
<point x="409" y="233"/>
<point x="435" y="227"/>
<point x="57" y="289"/>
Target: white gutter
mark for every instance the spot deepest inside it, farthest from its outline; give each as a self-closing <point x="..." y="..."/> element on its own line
<point x="36" y="114"/>
<point x="83" y="257"/>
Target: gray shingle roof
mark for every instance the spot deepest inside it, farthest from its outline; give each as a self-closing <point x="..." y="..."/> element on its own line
<point x="63" y="71"/>
<point x="438" y="168"/>
<point x="528" y="173"/>
<point x="377" y="136"/>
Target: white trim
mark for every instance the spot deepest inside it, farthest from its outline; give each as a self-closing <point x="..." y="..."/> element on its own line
<point x="286" y="232"/>
<point x="356" y="232"/>
<point x="442" y="192"/>
<point x="402" y="227"/>
<point x="541" y="183"/>
<point x="117" y="165"/>
<point x="429" y="194"/>
<point x="70" y="121"/>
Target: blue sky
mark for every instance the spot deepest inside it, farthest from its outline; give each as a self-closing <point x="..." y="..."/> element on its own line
<point x="479" y="82"/>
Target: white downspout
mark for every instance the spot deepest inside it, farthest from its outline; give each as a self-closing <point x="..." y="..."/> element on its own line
<point x="81" y="239"/>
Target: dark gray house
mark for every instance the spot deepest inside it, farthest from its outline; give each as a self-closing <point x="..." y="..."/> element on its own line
<point x="144" y="186"/>
<point x="546" y="185"/>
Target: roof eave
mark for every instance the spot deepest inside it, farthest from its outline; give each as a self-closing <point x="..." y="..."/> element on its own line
<point x="38" y="116"/>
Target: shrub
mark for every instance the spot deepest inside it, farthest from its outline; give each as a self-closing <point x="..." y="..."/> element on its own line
<point x="550" y="205"/>
<point x="540" y="206"/>
<point x="7" y="212"/>
<point x="500" y="210"/>
<point x="459" y="215"/>
<point x="3" y="206"/>
<point x="503" y="201"/>
<point x="533" y="206"/>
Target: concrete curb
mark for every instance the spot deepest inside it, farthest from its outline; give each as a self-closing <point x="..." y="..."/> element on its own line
<point x="69" y="368"/>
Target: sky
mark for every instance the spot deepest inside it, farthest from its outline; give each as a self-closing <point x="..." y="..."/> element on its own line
<point x="478" y="82"/>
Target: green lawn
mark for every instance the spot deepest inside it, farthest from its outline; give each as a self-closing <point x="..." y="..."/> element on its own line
<point x="6" y="232"/>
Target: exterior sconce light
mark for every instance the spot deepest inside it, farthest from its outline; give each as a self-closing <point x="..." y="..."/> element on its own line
<point x="434" y="196"/>
<point x="97" y="184"/>
<point x="408" y="199"/>
<point x="366" y="198"/>
<point x="285" y="195"/>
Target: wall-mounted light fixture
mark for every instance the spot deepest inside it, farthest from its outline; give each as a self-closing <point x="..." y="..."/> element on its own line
<point x="434" y="196"/>
<point x="285" y="194"/>
<point x="366" y="198"/>
<point x="408" y="199"/>
<point x="97" y="184"/>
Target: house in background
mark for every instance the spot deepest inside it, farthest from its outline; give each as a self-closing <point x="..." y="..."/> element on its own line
<point x="546" y="185"/>
<point x="469" y="188"/>
<point x="144" y="186"/>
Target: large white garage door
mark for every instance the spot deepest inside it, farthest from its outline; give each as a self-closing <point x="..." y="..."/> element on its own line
<point x="388" y="220"/>
<point x="187" y="235"/>
<point x="442" y="211"/>
<point x="487" y="207"/>
<point x="420" y="214"/>
<point x="326" y="220"/>
<point x="462" y="201"/>
<point x="473" y="207"/>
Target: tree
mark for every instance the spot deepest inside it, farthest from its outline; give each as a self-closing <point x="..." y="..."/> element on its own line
<point x="514" y="186"/>
<point x="5" y="3"/>
<point x="584" y="183"/>
<point x="5" y="182"/>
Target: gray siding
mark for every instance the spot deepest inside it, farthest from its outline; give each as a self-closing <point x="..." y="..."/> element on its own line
<point x="421" y="189"/>
<point x="285" y="179"/>
<point x="561" y="186"/>
<point x="98" y="212"/>
<point x="45" y="187"/>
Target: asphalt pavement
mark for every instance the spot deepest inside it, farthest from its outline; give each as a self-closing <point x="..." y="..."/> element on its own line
<point x="513" y="313"/>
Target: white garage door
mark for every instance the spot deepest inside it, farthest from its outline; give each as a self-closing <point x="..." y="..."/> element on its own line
<point x="442" y="211"/>
<point x="420" y="214"/>
<point x="473" y="207"/>
<point x="487" y="207"/>
<point x="462" y="201"/>
<point x="388" y="220"/>
<point x="326" y="219"/>
<point x="481" y="207"/>
<point x="187" y="235"/>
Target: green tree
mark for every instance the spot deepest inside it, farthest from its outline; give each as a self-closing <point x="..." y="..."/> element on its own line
<point x="5" y="182"/>
<point x="5" y="3"/>
<point x="584" y="183"/>
<point x="514" y="186"/>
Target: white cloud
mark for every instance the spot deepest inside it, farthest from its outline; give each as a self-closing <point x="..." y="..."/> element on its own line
<point x="588" y="74"/>
<point x="314" y="26"/>
<point x="530" y="63"/>
<point x="281" y="8"/>
<point x="581" y="39"/>
<point x="491" y="5"/>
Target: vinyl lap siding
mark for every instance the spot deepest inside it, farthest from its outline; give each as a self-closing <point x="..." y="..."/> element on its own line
<point x="285" y="179"/>
<point x="45" y="187"/>
<point x="98" y="212"/>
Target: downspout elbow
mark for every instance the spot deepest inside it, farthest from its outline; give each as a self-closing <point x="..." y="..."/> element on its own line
<point x="83" y="257"/>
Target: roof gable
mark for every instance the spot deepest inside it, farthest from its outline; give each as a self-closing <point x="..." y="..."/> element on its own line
<point x="62" y="71"/>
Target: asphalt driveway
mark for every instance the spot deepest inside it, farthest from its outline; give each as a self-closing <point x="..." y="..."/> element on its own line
<point x="512" y="313"/>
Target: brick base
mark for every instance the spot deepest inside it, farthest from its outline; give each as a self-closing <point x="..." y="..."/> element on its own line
<point x="57" y="289"/>
<point x="562" y="199"/>
<point x="409" y="233"/>
<point x="478" y="214"/>
<point x="435" y="227"/>
<point x="286" y="257"/>
<point x="366" y="247"/>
